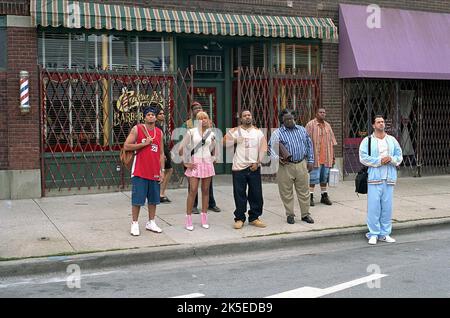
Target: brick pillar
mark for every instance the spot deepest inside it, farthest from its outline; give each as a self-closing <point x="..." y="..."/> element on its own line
<point x="23" y="129"/>
<point x="332" y="97"/>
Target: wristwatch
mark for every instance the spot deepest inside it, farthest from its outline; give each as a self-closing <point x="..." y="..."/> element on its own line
<point x="163" y="170"/>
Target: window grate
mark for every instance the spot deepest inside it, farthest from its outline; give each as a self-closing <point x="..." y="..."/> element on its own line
<point x="207" y="63"/>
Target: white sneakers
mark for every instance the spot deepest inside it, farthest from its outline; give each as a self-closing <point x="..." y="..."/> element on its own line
<point x="387" y="239"/>
<point x="151" y="226"/>
<point x="373" y="240"/>
<point x="134" y="228"/>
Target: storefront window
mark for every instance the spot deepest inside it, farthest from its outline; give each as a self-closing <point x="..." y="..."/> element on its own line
<point x="81" y="113"/>
<point x="78" y="51"/>
<point x="54" y="50"/>
<point x="94" y="51"/>
<point x="154" y="54"/>
<point x="250" y="55"/>
<point x="120" y="52"/>
<point x="113" y="52"/>
<point x="295" y="57"/>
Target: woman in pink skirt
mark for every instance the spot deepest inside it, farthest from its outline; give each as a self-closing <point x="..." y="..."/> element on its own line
<point x="197" y="146"/>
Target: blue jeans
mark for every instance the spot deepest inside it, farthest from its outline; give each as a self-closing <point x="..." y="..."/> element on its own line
<point x="241" y="179"/>
<point x="142" y="189"/>
<point x="319" y="175"/>
<point x="379" y="209"/>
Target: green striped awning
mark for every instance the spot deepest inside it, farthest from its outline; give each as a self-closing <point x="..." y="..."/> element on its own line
<point x="78" y="14"/>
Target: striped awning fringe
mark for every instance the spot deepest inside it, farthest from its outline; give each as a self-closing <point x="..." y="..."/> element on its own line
<point x="89" y="15"/>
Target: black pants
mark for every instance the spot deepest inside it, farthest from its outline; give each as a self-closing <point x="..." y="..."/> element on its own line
<point x="212" y="202"/>
<point x="240" y="181"/>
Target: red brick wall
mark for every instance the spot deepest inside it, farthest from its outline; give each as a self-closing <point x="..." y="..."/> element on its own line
<point x="23" y="130"/>
<point x="16" y="7"/>
<point x="3" y="123"/>
<point x="331" y="91"/>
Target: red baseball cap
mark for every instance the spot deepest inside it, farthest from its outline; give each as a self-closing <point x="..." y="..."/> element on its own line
<point x="195" y="104"/>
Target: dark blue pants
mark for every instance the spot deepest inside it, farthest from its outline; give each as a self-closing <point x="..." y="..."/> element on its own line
<point x="240" y="181"/>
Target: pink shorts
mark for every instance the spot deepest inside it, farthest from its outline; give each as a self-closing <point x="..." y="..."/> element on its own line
<point x="204" y="168"/>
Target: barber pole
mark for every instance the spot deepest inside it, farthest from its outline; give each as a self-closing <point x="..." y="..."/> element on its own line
<point x="24" y="92"/>
<point x="125" y="99"/>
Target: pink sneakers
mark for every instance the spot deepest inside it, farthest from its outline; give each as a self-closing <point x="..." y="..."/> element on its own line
<point x="205" y="224"/>
<point x="189" y="225"/>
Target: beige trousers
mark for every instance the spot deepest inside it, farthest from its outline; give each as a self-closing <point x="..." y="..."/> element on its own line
<point x="294" y="175"/>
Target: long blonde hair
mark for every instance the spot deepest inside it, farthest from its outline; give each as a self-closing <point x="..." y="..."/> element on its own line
<point x="202" y="114"/>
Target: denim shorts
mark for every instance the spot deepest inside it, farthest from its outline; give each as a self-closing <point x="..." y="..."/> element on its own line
<point x="319" y="175"/>
<point x="144" y="189"/>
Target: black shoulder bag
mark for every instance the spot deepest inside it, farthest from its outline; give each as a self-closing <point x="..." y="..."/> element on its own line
<point x="361" y="177"/>
<point x="202" y="143"/>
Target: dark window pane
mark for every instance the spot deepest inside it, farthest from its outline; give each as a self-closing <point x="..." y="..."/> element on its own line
<point x="78" y="45"/>
<point x="154" y="54"/>
<point x="56" y="47"/>
<point x="94" y="51"/>
<point x="121" y="55"/>
<point x="259" y="55"/>
<point x="3" y="51"/>
<point x="301" y="58"/>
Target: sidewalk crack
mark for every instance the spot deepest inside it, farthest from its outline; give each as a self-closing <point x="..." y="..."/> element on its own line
<point x="54" y="225"/>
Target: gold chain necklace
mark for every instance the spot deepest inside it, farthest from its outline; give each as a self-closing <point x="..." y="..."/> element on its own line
<point x="154" y="132"/>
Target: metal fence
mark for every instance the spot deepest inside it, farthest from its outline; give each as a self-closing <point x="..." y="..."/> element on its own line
<point x="265" y="93"/>
<point x="86" y="117"/>
<point x="417" y="113"/>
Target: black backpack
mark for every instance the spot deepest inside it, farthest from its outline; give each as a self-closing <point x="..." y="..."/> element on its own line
<point x="361" y="178"/>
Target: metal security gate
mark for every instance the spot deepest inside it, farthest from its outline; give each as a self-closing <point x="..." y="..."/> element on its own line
<point x="86" y="117"/>
<point x="417" y="113"/>
<point x="265" y="93"/>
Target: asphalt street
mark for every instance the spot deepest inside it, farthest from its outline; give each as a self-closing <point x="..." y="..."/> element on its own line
<point x="418" y="265"/>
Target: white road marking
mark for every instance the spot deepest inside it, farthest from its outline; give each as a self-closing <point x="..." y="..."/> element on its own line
<point x="53" y="280"/>
<point x="312" y="292"/>
<point x="194" y="295"/>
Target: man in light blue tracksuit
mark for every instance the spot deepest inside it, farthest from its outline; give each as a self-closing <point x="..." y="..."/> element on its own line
<point x="385" y="156"/>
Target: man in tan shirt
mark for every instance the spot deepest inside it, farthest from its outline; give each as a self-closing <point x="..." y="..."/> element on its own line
<point x="251" y="147"/>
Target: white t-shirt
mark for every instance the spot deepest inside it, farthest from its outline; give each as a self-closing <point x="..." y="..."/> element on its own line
<point x="382" y="147"/>
<point x="204" y="151"/>
<point x="247" y="151"/>
<point x="383" y="151"/>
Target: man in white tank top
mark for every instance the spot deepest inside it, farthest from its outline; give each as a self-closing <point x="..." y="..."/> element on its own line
<point x="251" y="146"/>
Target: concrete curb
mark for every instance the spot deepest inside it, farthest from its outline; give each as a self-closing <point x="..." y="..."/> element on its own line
<point x="90" y="261"/>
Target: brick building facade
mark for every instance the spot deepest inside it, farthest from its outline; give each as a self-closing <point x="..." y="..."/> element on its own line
<point x="21" y="150"/>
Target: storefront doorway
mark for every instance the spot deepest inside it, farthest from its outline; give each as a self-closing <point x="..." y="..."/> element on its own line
<point x="210" y="95"/>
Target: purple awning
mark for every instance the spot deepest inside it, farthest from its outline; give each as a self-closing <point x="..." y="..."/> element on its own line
<point x="409" y="44"/>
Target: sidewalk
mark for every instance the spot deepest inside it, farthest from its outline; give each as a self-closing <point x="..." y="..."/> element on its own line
<point x="101" y="222"/>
